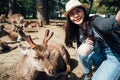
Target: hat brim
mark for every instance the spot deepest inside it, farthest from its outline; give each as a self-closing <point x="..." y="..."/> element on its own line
<point x="82" y="5"/>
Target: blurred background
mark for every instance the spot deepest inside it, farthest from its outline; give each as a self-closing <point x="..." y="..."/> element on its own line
<point x="54" y="9"/>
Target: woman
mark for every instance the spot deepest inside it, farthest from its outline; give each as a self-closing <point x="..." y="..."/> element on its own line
<point x="98" y="41"/>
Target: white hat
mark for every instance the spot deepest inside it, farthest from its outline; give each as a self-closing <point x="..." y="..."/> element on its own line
<point x="71" y="4"/>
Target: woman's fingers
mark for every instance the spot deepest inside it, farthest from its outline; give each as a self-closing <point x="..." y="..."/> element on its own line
<point x="118" y="17"/>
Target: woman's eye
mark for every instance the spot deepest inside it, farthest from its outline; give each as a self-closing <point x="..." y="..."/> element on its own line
<point x="77" y="11"/>
<point x="71" y="14"/>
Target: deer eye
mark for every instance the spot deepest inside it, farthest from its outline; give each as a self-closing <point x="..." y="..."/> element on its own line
<point x="36" y="57"/>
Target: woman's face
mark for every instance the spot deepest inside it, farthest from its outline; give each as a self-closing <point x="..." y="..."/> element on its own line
<point x="77" y="16"/>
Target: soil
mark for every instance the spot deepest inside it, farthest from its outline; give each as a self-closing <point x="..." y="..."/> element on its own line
<point x="9" y="59"/>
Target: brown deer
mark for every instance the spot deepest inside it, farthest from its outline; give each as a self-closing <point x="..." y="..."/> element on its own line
<point x="15" y="19"/>
<point x="34" y="24"/>
<point x="31" y="24"/>
<point x="13" y="35"/>
<point x="53" y="60"/>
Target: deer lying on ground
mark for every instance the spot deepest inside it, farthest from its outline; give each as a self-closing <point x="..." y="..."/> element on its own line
<point x="15" y="19"/>
<point x="34" y="24"/>
<point x="13" y="35"/>
<point x="31" y="24"/>
<point x="53" y="60"/>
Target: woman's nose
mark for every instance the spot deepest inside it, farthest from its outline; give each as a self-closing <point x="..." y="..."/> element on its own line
<point x="75" y="15"/>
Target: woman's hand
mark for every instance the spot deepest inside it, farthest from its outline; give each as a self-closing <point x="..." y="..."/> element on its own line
<point x="118" y="17"/>
<point x="89" y="41"/>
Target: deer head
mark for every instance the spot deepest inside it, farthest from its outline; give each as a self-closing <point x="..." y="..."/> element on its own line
<point x="38" y="52"/>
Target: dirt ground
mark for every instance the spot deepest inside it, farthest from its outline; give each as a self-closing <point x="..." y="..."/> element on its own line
<point x="9" y="60"/>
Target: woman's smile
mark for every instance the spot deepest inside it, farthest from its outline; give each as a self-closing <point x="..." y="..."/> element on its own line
<point x="77" y="16"/>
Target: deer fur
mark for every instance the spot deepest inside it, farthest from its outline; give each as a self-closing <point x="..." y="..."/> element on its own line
<point x="53" y="60"/>
<point x="15" y="19"/>
<point x="34" y="24"/>
<point x="31" y="24"/>
<point x="13" y="35"/>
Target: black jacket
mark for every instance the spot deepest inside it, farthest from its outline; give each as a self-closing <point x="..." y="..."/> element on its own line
<point x="109" y="30"/>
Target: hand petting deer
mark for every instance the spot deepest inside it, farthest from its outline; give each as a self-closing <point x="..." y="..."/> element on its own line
<point x="52" y="59"/>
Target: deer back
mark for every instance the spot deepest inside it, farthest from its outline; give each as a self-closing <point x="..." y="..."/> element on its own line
<point x="15" y="19"/>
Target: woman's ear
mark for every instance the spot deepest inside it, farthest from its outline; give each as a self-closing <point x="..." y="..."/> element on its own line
<point x="118" y="17"/>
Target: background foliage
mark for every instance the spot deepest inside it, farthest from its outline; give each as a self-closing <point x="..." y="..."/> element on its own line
<point x="57" y="7"/>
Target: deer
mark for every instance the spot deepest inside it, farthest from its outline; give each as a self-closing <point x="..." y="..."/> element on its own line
<point x="13" y="35"/>
<point x="15" y="19"/>
<point x="33" y="24"/>
<point x="42" y="59"/>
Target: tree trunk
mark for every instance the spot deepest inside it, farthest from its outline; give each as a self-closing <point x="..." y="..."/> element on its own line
<point x="13" y="8"/>
<point x="42" y="11"/>
<point x="10" y="8"/>
<point x="91" y="4"/>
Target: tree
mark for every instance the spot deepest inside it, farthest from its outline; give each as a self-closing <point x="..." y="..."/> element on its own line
<point x="15" y="7"/>
<point x="10" y="8"/>
<point x="90" y="2"/>
<point x="42" y="11"/>
<point x="112" y="5"/>
<point x="4" y="7"/>
<point x="98" y="9"/>
<point x="29" y="7"/>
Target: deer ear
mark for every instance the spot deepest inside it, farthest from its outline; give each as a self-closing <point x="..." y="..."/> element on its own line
<point x="47" y="36"/>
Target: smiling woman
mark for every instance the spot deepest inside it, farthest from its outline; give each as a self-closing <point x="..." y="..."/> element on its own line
<point x="98" y="41"/>
<point x="76" y="15"/>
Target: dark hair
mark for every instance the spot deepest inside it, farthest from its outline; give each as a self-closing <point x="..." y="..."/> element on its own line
<point x="71" y="29"/>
